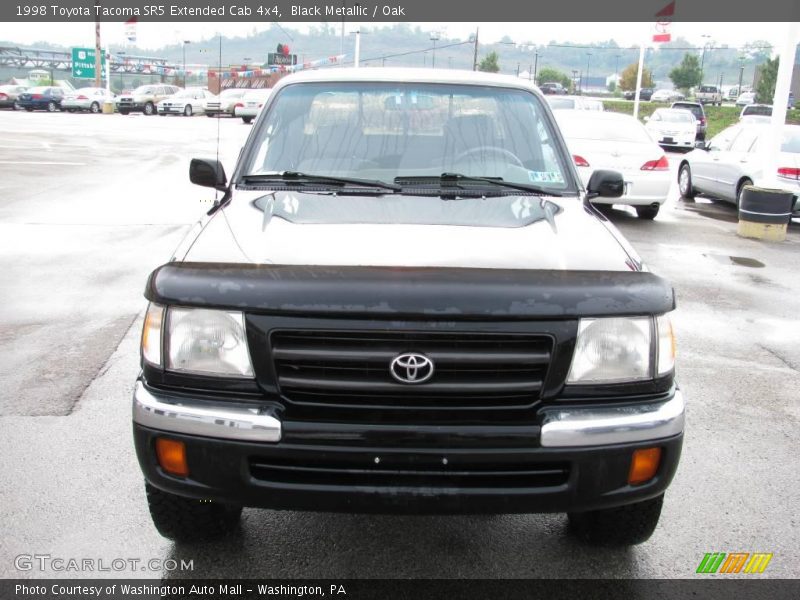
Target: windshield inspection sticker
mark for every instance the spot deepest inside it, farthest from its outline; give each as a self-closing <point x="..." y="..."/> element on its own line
<point x="545" y="177"/>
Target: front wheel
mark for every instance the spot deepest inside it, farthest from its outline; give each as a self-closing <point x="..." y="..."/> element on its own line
<point x="51" y="107"/>
<point x="647" y="212"/>
<point x="685" y="182"/>
<point x="187" y="111"/>
<point x="619" y="526"/>
<point x="95" y="107"/>
<point x="149" y="109"/>
<point x="188" y="519"/>
<point x="124" y="112"/>
<point x="247" y="120"/>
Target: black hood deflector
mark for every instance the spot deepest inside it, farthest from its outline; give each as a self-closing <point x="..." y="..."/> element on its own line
<point x="412" y="292"/>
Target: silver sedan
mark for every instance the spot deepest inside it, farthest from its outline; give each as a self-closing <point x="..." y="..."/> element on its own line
<point x="88" y="98"/>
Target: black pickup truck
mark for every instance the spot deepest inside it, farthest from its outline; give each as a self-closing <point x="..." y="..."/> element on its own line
<point x="404" y="301"/>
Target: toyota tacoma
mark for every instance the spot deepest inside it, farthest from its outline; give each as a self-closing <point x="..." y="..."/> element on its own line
<point x="403" y="301"/>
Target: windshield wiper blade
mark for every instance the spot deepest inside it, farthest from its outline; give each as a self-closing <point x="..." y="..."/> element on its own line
<point x="291" y="177"/>
<point x="454" y="179"/>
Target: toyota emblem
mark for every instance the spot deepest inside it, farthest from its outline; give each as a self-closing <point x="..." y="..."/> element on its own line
<point x="411" y="368"/>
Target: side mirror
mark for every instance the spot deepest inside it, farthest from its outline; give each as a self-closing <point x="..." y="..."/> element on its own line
<point x="208" y="173"/>
<point x="605" y="184"/>
<point x="701" y="145"/>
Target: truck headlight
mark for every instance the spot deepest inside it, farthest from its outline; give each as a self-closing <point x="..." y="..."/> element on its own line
<point x="612" y="350"/>
<point x="199" y="341"/>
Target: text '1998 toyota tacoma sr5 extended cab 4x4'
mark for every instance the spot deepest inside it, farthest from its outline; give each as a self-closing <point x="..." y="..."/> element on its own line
<point x="404" y="302"/>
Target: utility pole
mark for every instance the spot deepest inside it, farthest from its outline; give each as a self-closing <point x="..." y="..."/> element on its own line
<point x="434" y="38"/>
<point x="741" y="74"/>
<point x="475" y="52"/>
<point x="357" y="55"/>
<point x="703" y="57"/>
<point x="98" y="52"/>
<point x="588" y="59"/>
<point x="531" y="76"/>
<point x="535" y="65"/>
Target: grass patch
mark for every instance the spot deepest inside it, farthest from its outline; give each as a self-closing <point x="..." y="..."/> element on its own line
<point x="718" y="117"/>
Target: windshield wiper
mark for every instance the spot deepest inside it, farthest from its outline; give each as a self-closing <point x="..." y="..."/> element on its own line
<point x="296" y="177"/>
<point x="454" y="179"/>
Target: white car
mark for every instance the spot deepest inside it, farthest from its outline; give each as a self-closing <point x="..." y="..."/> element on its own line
<point x="666" y="96"/>
<point x="88" y="98"/>
<point x="607" y="140"/>
<point x="573" y="103"/>
<point x="672" y="128"/>
<point x="750" y="110"/>
<point x="746" y="98"/>
<point x="186" y="102"/>
<point x="735" y="158"/>
<point x="247" y="108"/>
<point x="225" y="102"/>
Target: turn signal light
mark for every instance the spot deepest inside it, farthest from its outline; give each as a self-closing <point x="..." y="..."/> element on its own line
<point x="580" y="161"/>
<point x="789" y="173"/>
<point x="171" y="456"/>
<point x="662" y="164"/>
<point x="644" y="465"/>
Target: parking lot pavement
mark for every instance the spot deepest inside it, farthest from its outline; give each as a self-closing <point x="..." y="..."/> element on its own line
<point x="70" y="485"/>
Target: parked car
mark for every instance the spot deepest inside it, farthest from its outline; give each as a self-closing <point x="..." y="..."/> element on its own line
<point x="9" y="95"/>
<point x="672" y="128"/>
<point x="339" y="334"/>
<point x="755" y="119"/>
<point x="224" y="103"/>
<point x="45" y="97"/>
<point x="746" y="98"/>
<point x="764" y="110"/>
<point x="645" y="94"/>
<point x="553" y="87"/>
<point x="735" y="158"/>
<point x="599" y="141"/>
<point x="145" y="98"/>
<point x="708" y="94"/>
<point x="250" y="104"/>
<point x="186" y="102"/>
<point x="666" y="96"/>
<point x="574" y="103"/>
<point x="699" y="114"/>
<point x="88" y="98"/>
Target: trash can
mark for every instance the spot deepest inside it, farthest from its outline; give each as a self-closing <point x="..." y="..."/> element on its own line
<point x="764" y="213"/>
<point x="108" y="108"/>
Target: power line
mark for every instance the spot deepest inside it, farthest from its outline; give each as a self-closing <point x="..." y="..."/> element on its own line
<point x="410" y="52"/>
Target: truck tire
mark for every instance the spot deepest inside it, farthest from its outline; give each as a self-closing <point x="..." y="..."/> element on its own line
<point x="620" y="526"/>
<point x="647" y="212"/>
<point x="188" y="519"/>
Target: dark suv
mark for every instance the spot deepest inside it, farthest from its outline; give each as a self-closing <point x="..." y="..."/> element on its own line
<point x="553" y="87"/>
<point x="405" y="302"/>
<point x="644" y="94"/>
<point x="696" y="108"/>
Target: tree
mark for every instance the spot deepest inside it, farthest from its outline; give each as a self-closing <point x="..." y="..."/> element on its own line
<point x="628" y="78"/>
<point x="612" y="86"/>
<point x="768" y="77"/>
<point x="548" y="75"/>
<point x="490" y="63"/>
<point x="687" y="74"/>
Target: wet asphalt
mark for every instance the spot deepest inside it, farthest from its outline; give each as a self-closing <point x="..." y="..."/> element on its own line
<point x="91" y="204"/>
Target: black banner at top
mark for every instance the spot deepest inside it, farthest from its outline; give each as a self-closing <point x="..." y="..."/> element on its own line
<point x="400" y="10"/>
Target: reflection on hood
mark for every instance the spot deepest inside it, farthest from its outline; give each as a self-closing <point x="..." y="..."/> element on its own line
<point x="498" y="211"/>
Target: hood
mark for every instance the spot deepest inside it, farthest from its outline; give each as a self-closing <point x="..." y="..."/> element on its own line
<point x="511" y="232"/>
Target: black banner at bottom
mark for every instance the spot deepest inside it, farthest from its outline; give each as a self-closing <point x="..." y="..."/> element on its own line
<point x="712" y="588"/>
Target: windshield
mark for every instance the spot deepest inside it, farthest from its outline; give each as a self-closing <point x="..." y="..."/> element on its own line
<point x="678" y="116"/>
<point x="382" y="131"/>
<point x="758" y="109"/>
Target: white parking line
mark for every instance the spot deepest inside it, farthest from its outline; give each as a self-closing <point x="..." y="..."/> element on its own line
<point x="38" y="162"/>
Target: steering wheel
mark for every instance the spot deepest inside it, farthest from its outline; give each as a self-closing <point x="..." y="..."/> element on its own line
<point x="507" y="154"/>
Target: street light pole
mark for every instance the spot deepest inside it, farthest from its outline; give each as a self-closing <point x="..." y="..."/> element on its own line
<point x="588" y="59"/>
<point x="703" y="57"/>
<point x="185" y="42"/>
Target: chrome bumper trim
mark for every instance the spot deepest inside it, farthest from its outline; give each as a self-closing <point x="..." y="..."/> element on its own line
<point x="616" y="425"/>
<point x="181" y="415"/>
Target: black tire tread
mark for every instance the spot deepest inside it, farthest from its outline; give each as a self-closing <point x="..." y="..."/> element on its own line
<point x="188" y="519"/>
<point x="619" y="526"/>
<point x="647" y="212"/>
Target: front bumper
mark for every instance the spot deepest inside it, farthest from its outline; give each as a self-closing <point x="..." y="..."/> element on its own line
<point x="577" y="458"/>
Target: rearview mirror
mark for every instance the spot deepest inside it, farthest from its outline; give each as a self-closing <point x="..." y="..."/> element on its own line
<point x="207" y="172"/>
<point x="605" y="184"/>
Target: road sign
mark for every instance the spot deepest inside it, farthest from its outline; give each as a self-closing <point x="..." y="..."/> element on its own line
<point x="83" y="63"/>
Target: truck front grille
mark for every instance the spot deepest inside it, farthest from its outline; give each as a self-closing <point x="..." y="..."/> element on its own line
<point x="350" y="370"/>
<point x="406" y="471"/>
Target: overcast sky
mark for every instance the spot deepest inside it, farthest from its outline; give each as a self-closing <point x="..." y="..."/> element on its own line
<point x="154" y="35"/>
